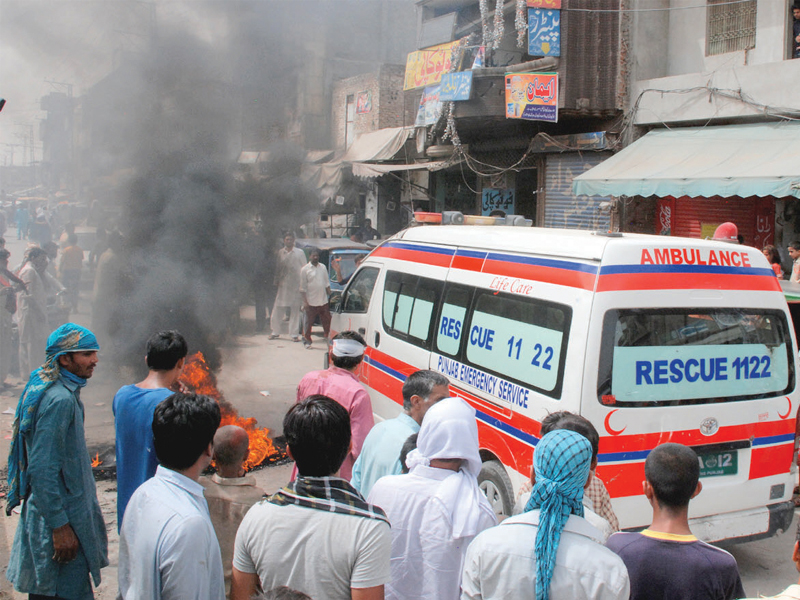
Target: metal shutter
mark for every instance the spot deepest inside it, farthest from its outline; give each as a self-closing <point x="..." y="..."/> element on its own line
<point x="562" y="208"/>
<point x="692" y="213"/>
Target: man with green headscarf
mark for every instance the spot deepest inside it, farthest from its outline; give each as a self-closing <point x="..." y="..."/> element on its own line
<point x="550" y="550"/>
<point x="61" y="536"/>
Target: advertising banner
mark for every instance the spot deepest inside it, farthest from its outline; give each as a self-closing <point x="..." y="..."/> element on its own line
<point x="456" y="86"/>
<point x="544" y="32"/>
<point x="430" y="107"/>
<point x="532" y="96"/>
<point x="426" y="67"/>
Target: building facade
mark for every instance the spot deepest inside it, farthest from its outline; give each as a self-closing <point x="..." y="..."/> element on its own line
<point x="713" y="93"/>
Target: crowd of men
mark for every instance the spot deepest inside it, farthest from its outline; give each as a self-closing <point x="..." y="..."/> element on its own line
<point x="371" y="512"/>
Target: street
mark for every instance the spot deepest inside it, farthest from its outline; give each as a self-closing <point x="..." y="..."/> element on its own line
<point x="259" y="376"/>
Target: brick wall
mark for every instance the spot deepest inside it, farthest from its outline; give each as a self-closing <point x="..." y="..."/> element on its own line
<point x="386" y="92"/>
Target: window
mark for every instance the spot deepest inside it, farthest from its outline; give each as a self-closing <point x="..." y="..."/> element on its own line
<point x="693" y="356"/>
<point x="358" y="293"/>
<point x="409" y="304"/>
<point x="520" y="339"/>
<point x="452" y="320"/>
<point x="730" y="27"/>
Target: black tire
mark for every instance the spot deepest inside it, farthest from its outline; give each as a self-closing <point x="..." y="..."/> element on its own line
<point x="494" y="482"/>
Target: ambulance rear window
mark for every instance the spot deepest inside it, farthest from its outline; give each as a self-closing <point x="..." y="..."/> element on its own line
<point x="691" y="356"/>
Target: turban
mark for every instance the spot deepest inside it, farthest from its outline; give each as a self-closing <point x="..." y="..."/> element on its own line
<point x="561" y="462"/>
<point x="449" y="431"/>
<point x="67" y="338"/>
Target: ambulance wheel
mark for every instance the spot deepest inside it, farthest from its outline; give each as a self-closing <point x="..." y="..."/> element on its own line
<point x="494" y="482"/>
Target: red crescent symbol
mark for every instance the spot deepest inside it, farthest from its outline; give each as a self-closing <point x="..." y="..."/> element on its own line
<point x="788" y="412"/>
<point x="608" y="427"/>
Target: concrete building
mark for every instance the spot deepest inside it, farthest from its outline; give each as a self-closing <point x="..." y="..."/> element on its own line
<point x="466" y="154"/>
<point x="712" y="87"/>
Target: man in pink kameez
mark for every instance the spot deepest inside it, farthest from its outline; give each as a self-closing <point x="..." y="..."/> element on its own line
<point x="340" y="382"/>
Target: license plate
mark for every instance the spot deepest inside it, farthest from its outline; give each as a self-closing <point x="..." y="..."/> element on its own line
<point x="716" y="464"/>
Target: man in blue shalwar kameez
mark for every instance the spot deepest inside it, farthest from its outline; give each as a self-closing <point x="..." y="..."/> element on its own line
<point x="61" y="537"/>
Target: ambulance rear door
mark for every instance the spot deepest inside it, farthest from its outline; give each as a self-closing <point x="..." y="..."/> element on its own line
<point x="691" y="342"/>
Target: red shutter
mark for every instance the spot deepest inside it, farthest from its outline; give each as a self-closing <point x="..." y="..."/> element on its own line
<point x="698" y="217"/>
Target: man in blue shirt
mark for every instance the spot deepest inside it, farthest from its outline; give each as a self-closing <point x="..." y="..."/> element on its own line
<point x="167" y="546"/>
<point x="133" y="414"/>
<point x="61" y="536"/>
<point x="380" y="454"/>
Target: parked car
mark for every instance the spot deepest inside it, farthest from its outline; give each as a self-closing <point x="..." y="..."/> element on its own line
<point x="339" y="255"/>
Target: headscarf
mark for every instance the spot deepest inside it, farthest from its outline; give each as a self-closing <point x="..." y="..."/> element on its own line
<point x="561" y="462"/>
<point x="67" y="338"/>
<point x="345" y="347"/>
<point x="449" y="430"/>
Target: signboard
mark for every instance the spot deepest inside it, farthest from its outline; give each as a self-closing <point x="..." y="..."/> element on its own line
<point x="364" y="102"/>
<point x="544" y="3"/>
<point x="430" y="107"/>
<point x="532" y="96"/>
<point x="662" y="373"/>
<point x="456" y="86"/>
<point x="594" y="140"/>
<point x="544" y="32"/>
<point x="495" y="199"/>
<point x="426" y="67"/>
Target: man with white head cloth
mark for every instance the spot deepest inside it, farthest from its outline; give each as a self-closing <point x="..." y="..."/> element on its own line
<point x="437" y="508"/>
<point x="340" y="382"/>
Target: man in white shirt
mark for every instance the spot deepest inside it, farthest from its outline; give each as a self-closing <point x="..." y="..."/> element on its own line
<point x="437" y="508"/>
<point x="315" y="288"/>
<point x="380" y="453"/>
<point x="291" y="261"/>
<point x="168" y="548"/>
<point x="317" y="535"/>
<point x="551" y="550"/>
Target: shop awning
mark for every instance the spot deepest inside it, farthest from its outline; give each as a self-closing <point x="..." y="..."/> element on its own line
<point x="378" y="145"/>
<point x="376" y="170"/>
<point x="761" y="159"/>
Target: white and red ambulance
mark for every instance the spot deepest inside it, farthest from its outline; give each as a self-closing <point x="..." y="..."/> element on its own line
<point x="652" y="338"/>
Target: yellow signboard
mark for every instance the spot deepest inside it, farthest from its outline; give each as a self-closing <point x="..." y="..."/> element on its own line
<point x="426" y="67"/>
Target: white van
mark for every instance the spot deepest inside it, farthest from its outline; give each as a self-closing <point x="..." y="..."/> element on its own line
<point x="652" y="338"/>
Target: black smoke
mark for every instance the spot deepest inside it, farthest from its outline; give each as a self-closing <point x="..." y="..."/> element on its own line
<point x="194" y="232"/>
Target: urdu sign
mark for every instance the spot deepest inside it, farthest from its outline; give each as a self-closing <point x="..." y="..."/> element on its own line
<point x="532" y="96"/>
<point x="456" y="86"/>
<point x="426" y="67"/>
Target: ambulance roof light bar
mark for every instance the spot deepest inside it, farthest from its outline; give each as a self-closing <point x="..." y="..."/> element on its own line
<point x="454" y="217"/>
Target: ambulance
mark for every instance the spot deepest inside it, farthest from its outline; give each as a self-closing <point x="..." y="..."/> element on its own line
<point x="653" y="339"/>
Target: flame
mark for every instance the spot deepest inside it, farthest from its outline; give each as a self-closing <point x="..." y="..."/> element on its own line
<point x="96" y="462"/>
<point x="198" y="378"/>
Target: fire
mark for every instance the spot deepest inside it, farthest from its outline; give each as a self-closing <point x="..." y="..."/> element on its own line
<point x="198" y="378"/>
<point x="96" y="462"/>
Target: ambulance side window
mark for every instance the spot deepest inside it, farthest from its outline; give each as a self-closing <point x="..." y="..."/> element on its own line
<point x="452" y="320"/>
<point x="523" y="340"/>
<point x="409" y="304"/>
<point x="358" y="293"/>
